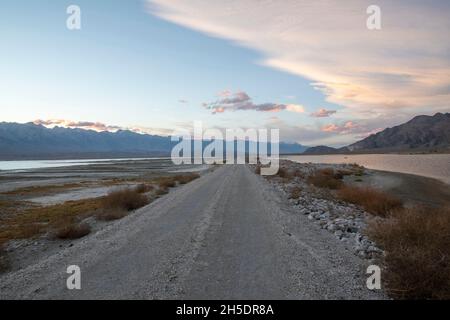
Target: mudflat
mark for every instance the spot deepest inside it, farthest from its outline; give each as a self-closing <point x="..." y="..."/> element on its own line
<point x="412" y="189"/>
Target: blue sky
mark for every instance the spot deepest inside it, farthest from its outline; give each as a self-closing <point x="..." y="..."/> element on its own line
<point x="133" y="66"/>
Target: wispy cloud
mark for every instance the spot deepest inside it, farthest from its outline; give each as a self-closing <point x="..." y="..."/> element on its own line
<point x="88" y="125"/>
<point x="347" y="127"/>
<point x="100" y="127"/>
<point x="323" y="113"/>
<point x="405" y="65"/>
<point x="241" y="101"/>
<point x="357" y="131"/>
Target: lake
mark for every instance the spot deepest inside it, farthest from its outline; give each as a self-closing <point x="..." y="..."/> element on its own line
<point x="36" y="164"/>
<point x="429" y="165"/>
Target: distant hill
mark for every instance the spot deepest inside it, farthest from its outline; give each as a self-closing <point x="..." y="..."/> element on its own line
<point x="290" y="148"/>
<point x="320" y="150"/>
<point x="421" y="132"/>
<point x="36" y="141"/>
<point x="31" y="141"/>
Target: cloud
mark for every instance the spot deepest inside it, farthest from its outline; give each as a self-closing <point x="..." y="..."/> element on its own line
<point x="242" y="101"/>
<point x="100" y="127"/>
<point x="183" y="101"/>
<point x="322" y="113"/>
<point x="225" y="93"/>
<point x="357" y="131"/>
<point x="347" y="127"/>
<point x="403" y="66"/>
<point x="96" y="126"/>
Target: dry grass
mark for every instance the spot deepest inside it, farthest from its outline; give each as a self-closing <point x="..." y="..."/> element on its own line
<point x="172" y="181"/>
<point x="325" y="178"/>
<point x="298" y="173"/>
<point x="144" y="188"/>
<point x="111" y="214"/>
<point x="373" y="201"/>
<point x="343" y="172"/>
<point x="357" y="170"/>
<point x="161" y="191"/>
<point x="295" y="193"/>
<point x="167" y="182"/>
<point x="10" y="206"/>
<point x="284" y="173"/>
<point x="34" y="221"/>
<point x="126" y="199"/>
<point x="417" y="245"/>
<point x="186" y="178"/>
<point x="73" y="231"/>
<point x="23" y="220"/>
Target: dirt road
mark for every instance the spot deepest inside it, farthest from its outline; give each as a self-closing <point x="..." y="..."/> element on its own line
<point x="226" y="235"/>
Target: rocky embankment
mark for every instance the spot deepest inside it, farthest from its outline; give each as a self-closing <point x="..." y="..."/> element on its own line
<point x="346" y="221"/>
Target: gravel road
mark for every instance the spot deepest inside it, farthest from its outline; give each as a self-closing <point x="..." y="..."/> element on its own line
<point x="227" y="235"/>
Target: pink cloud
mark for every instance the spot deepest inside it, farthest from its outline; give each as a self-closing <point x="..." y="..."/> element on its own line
<point x="323" y="113"/>
<point x="347" y="127"/>
<point x="96" y="126"/>
<point x="241" y="101"/>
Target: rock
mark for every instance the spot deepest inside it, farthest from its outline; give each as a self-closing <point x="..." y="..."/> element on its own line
<point x="338" y="233"/>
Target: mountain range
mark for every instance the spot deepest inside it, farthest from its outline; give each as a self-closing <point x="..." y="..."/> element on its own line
<point x="31" y="141"/>
<point x="422" y="133"/>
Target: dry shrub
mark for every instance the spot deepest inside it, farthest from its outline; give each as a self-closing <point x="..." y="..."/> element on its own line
<point x="143" y="188"/>
<point x="417" y="246"/>
<point x="295" y="193"/>
<point x="343" y="172"/>
<point x="298" y="173"/>
<point x="373" y="201"/>
<point x="162" y="191"/>
<point x="284" y="173"/>
<point x="325" y="178"/>
<point x="167" y="182"/>
<point x="356" y="169"/>
<point x="111" y="214"/>
<point x="73" y="231"/>
<point x="36" y="220"/>
<point x="126" y="199"/>
<point x="186" y="178"/>
<point x="171" y="181"/>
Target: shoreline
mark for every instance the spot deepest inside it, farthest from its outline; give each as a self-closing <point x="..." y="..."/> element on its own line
<point x="411" y="188"/>
<point x="425" y="165"/>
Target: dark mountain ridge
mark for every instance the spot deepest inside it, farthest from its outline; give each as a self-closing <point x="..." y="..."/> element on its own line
<point x="420" y="134"/>
<point x="31" y="141"/>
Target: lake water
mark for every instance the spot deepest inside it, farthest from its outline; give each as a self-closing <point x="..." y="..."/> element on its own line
<point x="429" y="165"/>
<point x="36" y="164"/>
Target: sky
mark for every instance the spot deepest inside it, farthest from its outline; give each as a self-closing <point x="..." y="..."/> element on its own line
<point x="309" y="68"/>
